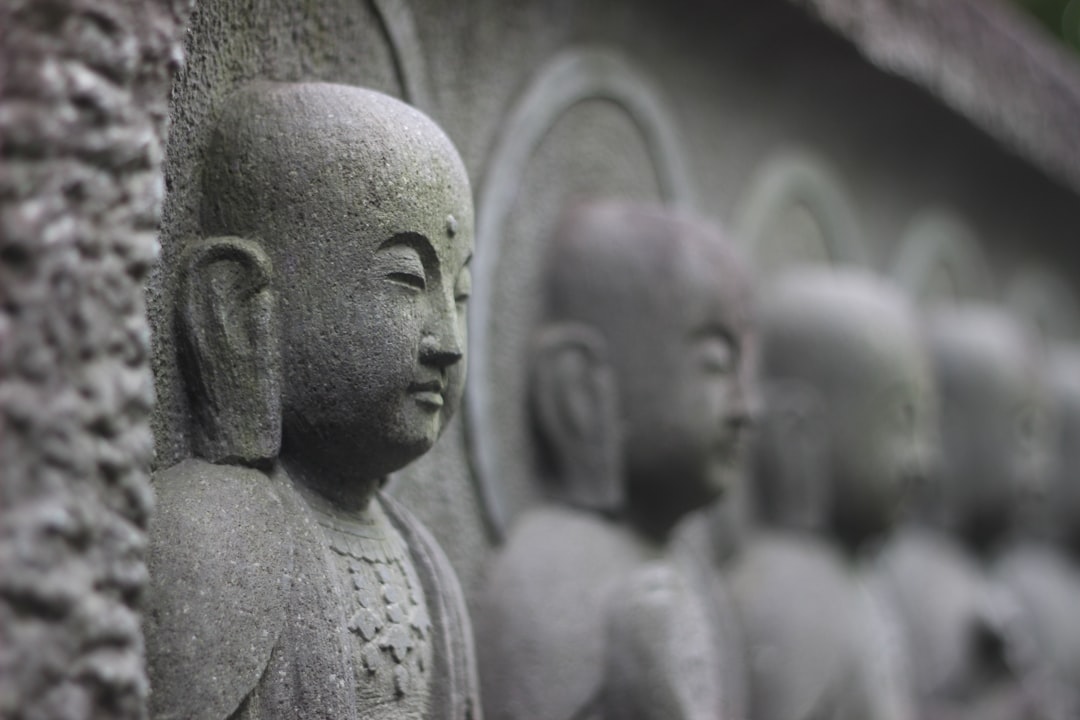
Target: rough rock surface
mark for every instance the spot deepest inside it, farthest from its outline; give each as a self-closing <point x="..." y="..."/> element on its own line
<point x="84" y="92"/>
<point x="982" y="59"/>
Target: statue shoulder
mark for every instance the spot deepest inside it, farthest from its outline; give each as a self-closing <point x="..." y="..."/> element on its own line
<point x="220" y="557"/>
<point x="807" y="644"/>
<point x="543" y="612"/>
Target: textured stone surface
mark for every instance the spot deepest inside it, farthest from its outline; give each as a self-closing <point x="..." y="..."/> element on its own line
<point x="639" y="392"/>
<point x="969" y="654"/>
<point x="847" y="422"/>
<point x="737" y="84"/>
<point x="322" y="338"/>
<point x="83" y="109"/>
<point x="982" y="58"/>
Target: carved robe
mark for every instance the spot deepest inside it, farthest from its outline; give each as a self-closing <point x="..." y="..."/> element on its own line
<point x="263" y="606"/>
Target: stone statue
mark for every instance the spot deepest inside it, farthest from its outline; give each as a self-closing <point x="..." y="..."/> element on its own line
<point x="322" y="332"/>
<point x="1040" y="566"/>
<point x="846" y="425"/>
<point x="960" y="627"/>
<point x="640" y="402"/>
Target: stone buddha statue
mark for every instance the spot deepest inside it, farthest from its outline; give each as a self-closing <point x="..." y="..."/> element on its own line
<point x="845" y="427"/>
<point x="959" y="625"/>
<point x="639" y="402"/>
<point x="321" y="332"/>
<point x="1040" y="566"/>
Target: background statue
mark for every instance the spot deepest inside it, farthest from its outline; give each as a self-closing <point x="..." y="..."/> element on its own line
<point x="322" y="331"/>
<point x="1040" y="567"/>
<point x="846" y="425"/>
<point x="640" y="400"/>
<point x="960" y="627"/>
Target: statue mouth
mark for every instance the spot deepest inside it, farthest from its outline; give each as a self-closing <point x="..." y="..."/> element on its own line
<point x="731" y="449"/>
<point x="429" y="394"/>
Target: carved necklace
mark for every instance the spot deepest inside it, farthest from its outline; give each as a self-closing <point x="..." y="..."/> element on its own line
<point x="388" y="612"/>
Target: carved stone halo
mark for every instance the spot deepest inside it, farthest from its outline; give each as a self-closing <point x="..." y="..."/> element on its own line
<point x="563" y="84"/>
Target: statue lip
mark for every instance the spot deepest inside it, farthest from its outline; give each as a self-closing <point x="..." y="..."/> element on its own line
<point x="730" y="449"/>
<point x="428" y="393"/>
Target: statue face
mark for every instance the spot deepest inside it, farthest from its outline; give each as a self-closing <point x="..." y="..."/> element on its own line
<point x="374" y="331"/>
<point x="886" y="427"/>
<point x="851" y="342"/>
<point x="1062" y="500"/>
<point x="995" y="426"/>
<point x="684" y="375"/>
<point x="994" y="452"/>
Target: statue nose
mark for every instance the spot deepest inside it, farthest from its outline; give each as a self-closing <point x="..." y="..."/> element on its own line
<point x="441" y="353"/>
<point x="921" y="467"/>
<point x="744" y="407"/>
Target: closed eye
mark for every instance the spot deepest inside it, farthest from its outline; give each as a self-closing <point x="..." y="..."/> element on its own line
<point x="717" y="353"/>
<point x="409" y="279"/>
<point x="464" y="285"/>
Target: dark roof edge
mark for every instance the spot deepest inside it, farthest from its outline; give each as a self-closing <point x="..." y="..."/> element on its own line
<point x="981" y="58"/>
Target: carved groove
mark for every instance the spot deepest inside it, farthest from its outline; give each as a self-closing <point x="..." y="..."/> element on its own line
<point x="937" y="241"/>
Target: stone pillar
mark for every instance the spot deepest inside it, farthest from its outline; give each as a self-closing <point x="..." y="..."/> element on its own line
<point x="84" y="89"/>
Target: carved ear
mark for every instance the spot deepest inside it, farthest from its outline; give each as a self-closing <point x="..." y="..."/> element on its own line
<point x="575" y="410"/>
<point x="793" y="452"/>
<point x="229" y="354"/>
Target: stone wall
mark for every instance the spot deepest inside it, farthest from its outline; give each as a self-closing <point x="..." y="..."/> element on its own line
<point x="83" y="110"/>
<point x="750" y="113"/>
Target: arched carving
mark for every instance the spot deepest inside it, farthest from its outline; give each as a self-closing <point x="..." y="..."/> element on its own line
<point x="797" y="211"/>
<point x="568" y="79"/>
<point x="1046" y="300"/>
<point x="940" y="259"/>
<point x="397" y="22"/>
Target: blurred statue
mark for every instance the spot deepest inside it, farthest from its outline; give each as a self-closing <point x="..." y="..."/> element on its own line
<point x="322" y="331"/>
<point x="1040" y="568"/>
<point x="961" y="629"/>
<point x="639" y="398"/>
<point x="845" y="427"/>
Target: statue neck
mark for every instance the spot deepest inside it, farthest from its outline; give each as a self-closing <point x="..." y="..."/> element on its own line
<point x="655" y="528"/>
<point x="329" y="478"/>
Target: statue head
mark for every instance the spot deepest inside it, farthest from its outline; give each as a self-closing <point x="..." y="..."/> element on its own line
<point x="1060" y="506"/>
<point x="848" y="419"/>
<point x="322" y="312"/>
<point x="640" y="383"/>
<point x="993" y="420"/>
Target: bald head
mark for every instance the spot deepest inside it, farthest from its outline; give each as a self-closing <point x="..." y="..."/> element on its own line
<point x="668" y="304"/>
<point x="834" y="329"/>
<point x="612" y="262"/>
<point x="307" y="154"/>
<point x="994" y="437"/>
<point x="851" y="342"/>
<point x="337" y="229"/>
<point x="978" y="350"/>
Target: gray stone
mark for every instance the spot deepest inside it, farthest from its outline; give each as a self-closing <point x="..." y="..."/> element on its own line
<point x="321" y="325"/>
<point x="84" y="91"/>
<point x="614" y="98"/>
<point x="981" y="58"/>
<point x="845" y="425"/>
<point x="847" y="379"/>
<point x="640" y="399"/>
<point x="1040" y="566"/>
<point x="969" y="648"/>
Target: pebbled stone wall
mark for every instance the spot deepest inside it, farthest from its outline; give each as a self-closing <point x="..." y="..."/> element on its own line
<point x="84" y="89"/>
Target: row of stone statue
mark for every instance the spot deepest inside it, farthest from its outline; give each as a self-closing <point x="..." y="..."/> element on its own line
<point x="321" y="332"/>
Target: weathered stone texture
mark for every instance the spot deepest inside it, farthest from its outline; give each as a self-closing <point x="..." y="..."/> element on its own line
<point x="983" y="59"/>
<point x="84" y="92"/>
